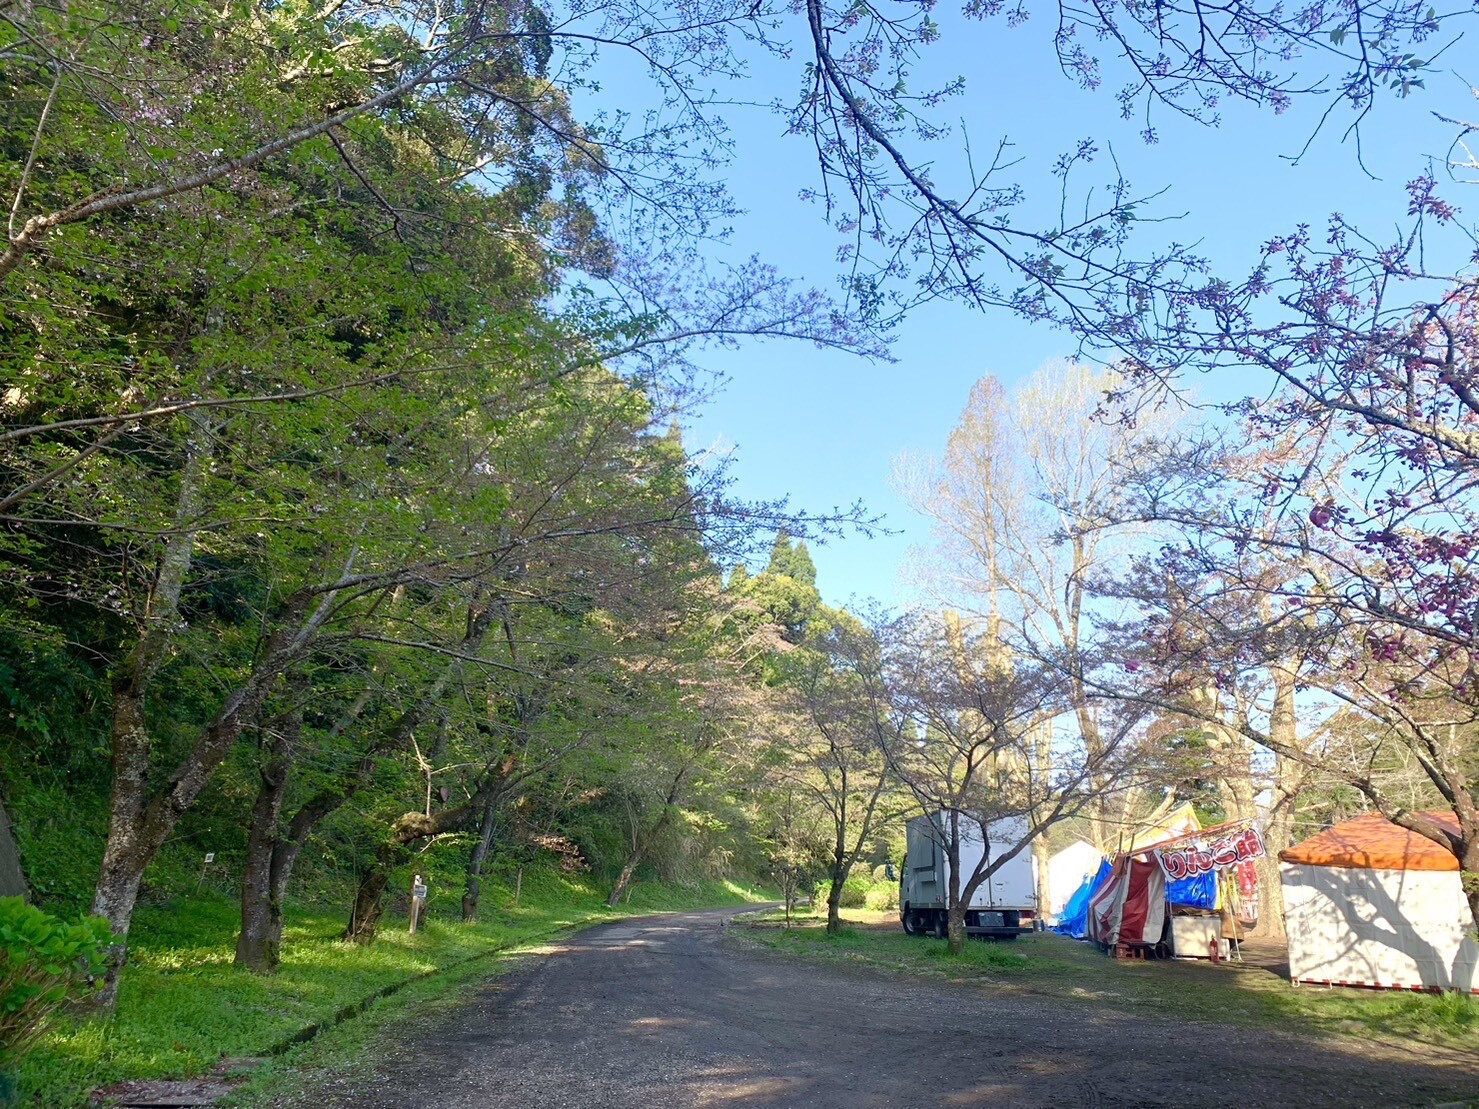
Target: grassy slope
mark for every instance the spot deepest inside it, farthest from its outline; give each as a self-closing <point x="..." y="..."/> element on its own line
<point x="184" y="1005"/>
<point x="1055" y="965"/>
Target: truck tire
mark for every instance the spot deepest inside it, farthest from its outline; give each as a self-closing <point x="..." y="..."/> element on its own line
<point x="942" y="926"/>
<point x="910" y="920"/>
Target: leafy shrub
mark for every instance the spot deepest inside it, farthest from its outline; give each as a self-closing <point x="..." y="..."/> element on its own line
<point x="854" y="892"/>
<point x="44" y="962"/>
<point x="861" y="891"/>
<point x="60" y="836"/>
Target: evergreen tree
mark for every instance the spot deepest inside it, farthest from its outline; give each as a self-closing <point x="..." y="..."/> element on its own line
<point x="780" y="554"/>
<point x="802" y="569"/>
<point x="792" y="560"/>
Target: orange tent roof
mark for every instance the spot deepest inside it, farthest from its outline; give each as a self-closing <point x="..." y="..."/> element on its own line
<point x="1375" y="843"/>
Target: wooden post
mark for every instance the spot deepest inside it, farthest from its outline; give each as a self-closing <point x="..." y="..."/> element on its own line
<point x="418" y="901"/>
<point x="518" y="884"/>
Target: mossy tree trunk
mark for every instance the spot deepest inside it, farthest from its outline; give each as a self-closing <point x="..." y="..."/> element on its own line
<point x="258" y="944"/>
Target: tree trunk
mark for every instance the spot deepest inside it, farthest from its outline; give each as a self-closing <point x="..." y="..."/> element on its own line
<point x="1042" y="857"/>
<point x="12" y="874"/>
<point x="526" y="711"/>
<point x="956" y="919"/>
<point x="1235" y="779"/>
<point x="1278" y="833"/>
<point x="472" y="894"/>
<point x="834" y="907"/>
<point x="369" y="899"/>
<point x="138" y="828"/>
<point x="113" y="899"/>
<point x="479" y="854"/>
<point x="624" y="879"/>
<point x="1469" y="877"/>
<point x="141" y="821"/>
<point x="287" y="846"/>
<point x="643" y="843"/>
<point x="954" y="902"/>
<point x="284" y="856"/>
<point x="840" y="871"/>
<point x="1100" y="834"/>
<point x="1279" y="819"/>
<point x="1270" y="887"/>
<point x="128" y="849"/>
<point x="258" y="944"/>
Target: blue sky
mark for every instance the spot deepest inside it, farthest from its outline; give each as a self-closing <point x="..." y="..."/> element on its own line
<point x="822" y="427"/>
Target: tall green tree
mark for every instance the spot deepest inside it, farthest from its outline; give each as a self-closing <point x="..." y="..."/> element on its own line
<point x="836" y="736"/>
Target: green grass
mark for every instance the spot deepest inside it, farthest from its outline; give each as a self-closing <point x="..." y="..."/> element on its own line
<point x="1053" y="965"/>
<point x="348" y="1049"/>
<point x="184" y="1005"/>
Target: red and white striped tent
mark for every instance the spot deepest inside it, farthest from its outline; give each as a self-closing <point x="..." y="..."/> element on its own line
<point x="1369" y="903"/>
<point x="1130" y="907"/>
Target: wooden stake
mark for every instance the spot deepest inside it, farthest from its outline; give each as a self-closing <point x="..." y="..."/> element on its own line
<point x="418" y="902"/>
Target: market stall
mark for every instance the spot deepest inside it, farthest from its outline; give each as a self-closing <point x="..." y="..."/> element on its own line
<point x="1191" y="896"/>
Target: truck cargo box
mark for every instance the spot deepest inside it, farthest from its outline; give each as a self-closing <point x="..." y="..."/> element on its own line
<point x="1004" y="906"/>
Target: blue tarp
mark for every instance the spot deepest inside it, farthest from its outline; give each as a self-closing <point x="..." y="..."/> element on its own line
<point x="1074" y="919"/>
<point x="1195" y="893"/>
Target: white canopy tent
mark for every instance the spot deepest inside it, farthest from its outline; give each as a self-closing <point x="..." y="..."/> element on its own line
<point x="1067" y="870"/>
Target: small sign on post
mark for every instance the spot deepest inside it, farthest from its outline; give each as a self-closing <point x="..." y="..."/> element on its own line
<point x="210" y="857"/>
<point x="418" y="901"/>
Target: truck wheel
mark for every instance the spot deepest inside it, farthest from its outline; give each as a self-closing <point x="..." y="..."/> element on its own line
<point x="942" y="926"/>
<point x="910" y="921"/>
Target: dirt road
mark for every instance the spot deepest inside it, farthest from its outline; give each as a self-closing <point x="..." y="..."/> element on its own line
<point x="666" y="1012"/>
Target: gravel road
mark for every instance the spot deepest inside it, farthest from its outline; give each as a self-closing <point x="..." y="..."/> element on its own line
<point x="668" y="1012"/>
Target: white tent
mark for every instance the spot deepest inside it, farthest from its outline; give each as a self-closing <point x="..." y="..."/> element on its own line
<point x="1067" y="870"/>
<point x="1369" y="903"/>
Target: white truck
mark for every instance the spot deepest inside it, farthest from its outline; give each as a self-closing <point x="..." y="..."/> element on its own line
<point x="1003" y="907"/>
